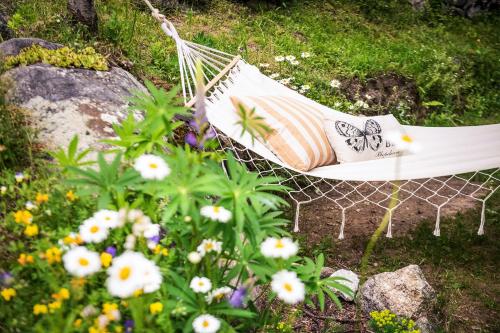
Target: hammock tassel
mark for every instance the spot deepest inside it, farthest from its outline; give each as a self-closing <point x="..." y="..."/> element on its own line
<point x="297" y="213"/>
<point x="480" y="232"/>
<point x="389" y="226"/>
<point x="342" y="225"/>
<point x="437" y="231"/>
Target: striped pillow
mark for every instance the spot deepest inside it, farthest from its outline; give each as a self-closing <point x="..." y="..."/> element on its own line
<point x="298" y="138"/>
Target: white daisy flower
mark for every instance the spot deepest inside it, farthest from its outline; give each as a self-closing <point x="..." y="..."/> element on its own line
<point x="279" y="59"/>
<point x="216" y="213"/>
<point x="305" y="54"/>
<point x="152" y="230"/>
<point x="285" y="81"/>
<point x="3" y="189"/>
<point x="129" y="242"/>
<point x="294" y="87"/>
<point x="92" y="231"/>
<point x="108" y="218"/>
<point x="152" y="167"/>
<point x="206" y="324"/>
<point x="30" y="205"/>
<point x="290" y="58"/>
<point x="337" y="105"/>
<point x="126" y="274"/>
<point x="402" y="141"/>
<point x="305" y="87"/>
<point x="335" y="83"/>
<point x="218" y="294"/>
<point x="294" y="62"/>
<point x="264" y="65"/>
<point x="209" y="245"/>
<point x="89" y="311"/>
<point x="80" y="262"/>
<point x="279" y="247"/>
<point x="200" y="284"/>
<point x="361" y="104"/>
<point x="274" y="75"/>
<point x="152" y="278"/>
<point x="194" y="257"/>
<point x="288" y="287"/>
<point x="19" y="177"/>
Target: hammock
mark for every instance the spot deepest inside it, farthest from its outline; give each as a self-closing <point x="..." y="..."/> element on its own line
<point x="452" y="161"/>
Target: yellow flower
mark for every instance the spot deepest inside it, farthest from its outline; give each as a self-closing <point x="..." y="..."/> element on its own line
<point x="109" y="307"/>
<point x="62" y="294"/>
<point x="78" y="282"/>
<point x="54" y="306"/>
<point x="77" y="323"/>
<point x="41" y="198"/>
<point x="53" y="255"/>
<point x="118" y="329"/>
<point x="23" y="216"/>
<point x="25" y="259"/>
<point x="31" y="230"/>
<point x="71" y="196"/>
<point x="40" y="309"/>
<point x="159" y="249"/>
<point x="8" y="293"/>
<point x="138" y="292"/>
<point x="106" y="259"/>
<point x="155" y="308"/>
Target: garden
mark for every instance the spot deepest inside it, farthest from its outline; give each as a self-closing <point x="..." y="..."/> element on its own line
<point x="124" y="210"/>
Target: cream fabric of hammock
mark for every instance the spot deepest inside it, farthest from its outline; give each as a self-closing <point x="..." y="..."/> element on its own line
<point x="452" y="161"/>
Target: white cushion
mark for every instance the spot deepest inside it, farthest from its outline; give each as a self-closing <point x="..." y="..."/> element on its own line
<point x="355" y="138"/>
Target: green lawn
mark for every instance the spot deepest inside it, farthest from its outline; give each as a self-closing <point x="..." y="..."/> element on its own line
<point x="451" y="62"/>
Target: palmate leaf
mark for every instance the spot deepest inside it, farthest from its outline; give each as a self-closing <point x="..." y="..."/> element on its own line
<point x="72" y="157"/>
<point x="253" y="124"/>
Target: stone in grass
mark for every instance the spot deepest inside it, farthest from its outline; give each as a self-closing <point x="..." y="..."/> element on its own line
<point x="404" y="292"/>
<point x="65" y="102"/>
<point x="352" y="282"/>
<point x="5" y="32"/>
<point x="83" y="11"/>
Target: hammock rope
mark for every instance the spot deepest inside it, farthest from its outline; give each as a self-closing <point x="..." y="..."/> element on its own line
<point x="452" y="168"/>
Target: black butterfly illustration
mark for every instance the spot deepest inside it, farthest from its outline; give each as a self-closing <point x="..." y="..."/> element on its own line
<point x="358" y="139"/>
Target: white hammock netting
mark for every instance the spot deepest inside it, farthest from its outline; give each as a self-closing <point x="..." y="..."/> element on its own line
<point x="452" y="161"/>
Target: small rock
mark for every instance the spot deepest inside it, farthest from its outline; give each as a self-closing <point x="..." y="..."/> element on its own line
<point x="83" y="11"/>
<point x="326" y="272"/>
<point x="13" y="46"/>
<point x="352" y="283"/>
<point x="5" y="32"/>
<point x="405" y="292"/>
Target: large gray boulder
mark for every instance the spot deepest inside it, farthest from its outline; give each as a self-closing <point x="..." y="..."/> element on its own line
<point x="15" y="45"/>
<point x="405" y="292"/>
<point x="68" y="101"/>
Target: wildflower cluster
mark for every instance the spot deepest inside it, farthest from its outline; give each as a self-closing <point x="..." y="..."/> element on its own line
<point x="154" y="238"/>
<point x="387" y="322"/>
<point x="284" y="68"/>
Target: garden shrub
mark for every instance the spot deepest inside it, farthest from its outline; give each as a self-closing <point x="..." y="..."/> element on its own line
<point x="154" y="237"/>
<point x="64" y="57"/>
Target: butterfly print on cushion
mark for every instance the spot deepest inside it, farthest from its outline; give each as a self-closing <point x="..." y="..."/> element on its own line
<point x="358" y="139"/>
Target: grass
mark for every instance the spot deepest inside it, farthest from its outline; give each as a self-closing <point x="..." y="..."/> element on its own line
<point x="453" y="61"/>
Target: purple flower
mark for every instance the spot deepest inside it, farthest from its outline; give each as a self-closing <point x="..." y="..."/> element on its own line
<point x="237" y="298"/>
<point x="155" y="239"/>
<point x="191" y="139"/>
<point x="129" y="325"/>
<point x="6" y="278"/>
<point x="111" y="250"/>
